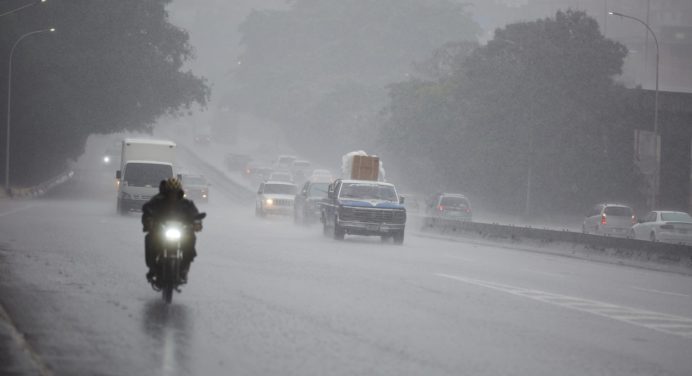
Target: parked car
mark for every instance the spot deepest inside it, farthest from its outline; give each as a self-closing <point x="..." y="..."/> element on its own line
<point x="196" y="187"/>
<point x="306" y="209"/>
<point x="275" y="197"/>
<point x="447" y="206"/>
<point x="609" y="219"/>
<point x="236" y="162"/>
<point x="281" y="176"/>
<point x="664" y="226"/>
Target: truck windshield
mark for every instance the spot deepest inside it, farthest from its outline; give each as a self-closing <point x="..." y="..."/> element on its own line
<point x="146" y="174"/>
<point x="362" y="191"/>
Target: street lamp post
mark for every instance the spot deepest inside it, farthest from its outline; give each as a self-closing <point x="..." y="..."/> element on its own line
<point x="22" y="7"/>
<point x="654" y="195"/>
<point x="9" y="103"/>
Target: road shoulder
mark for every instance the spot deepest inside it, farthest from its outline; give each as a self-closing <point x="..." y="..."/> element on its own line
<point x="16" y="355"/>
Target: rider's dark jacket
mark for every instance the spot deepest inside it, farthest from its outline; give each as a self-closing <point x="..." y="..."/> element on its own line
<point x="159" y="209"/>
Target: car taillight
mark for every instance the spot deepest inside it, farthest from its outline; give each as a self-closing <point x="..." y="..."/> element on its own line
<point x="440" y="208"/>
<point x="603" y="219"/>
<point x="468" y="210"/>
<point x="634" y="219"/>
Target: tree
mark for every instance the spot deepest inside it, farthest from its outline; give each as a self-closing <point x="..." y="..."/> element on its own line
<point x="111" y="66"/>
<point x="539" y="96"/>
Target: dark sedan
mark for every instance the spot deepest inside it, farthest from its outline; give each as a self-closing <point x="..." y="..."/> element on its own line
<point x="306" y="209"/>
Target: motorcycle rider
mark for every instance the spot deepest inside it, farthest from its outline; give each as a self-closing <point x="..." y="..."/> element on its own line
<point x="169" y="204"/>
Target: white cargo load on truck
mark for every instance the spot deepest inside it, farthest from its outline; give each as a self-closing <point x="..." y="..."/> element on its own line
<point x="358" y="165"/>
<point x="144" y="163"/>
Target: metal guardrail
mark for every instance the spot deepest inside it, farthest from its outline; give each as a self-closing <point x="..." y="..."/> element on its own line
<point x="42" y="188"/>
<point x="647" y="251"/>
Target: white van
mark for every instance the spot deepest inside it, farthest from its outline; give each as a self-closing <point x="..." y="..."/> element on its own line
<point x="143" y="164"/>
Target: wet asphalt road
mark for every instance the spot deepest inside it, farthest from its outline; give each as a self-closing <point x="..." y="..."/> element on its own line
<point x="269" y="298"/>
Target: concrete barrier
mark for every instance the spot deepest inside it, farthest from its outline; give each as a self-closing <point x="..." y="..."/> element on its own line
<point x="667" y="255"/>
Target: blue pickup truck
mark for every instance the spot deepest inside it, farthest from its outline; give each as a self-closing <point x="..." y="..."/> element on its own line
<point x="362" y="207"/>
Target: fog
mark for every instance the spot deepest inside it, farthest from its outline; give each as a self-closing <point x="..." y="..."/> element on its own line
<point x="512" y="221"/>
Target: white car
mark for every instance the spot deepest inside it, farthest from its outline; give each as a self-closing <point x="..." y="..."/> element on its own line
<point x="664" y="226"/>
<point x="275" y="197"/>
<point x="609" y="219"/>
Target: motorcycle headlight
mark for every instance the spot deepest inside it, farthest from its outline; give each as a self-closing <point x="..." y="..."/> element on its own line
<point x="173" y="234"/>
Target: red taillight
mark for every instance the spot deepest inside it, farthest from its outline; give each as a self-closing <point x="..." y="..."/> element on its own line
<point x="634" y="219"/>
<point x="603" y="219"/>
<point x="440" y="208"/>
<point x="468" y="210"/>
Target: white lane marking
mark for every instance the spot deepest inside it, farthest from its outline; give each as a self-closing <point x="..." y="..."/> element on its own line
<point x="16" y="210"/>
<point x="662" y="292"/>
<point x="23" y="344"/>
<point x="661" y="322"/>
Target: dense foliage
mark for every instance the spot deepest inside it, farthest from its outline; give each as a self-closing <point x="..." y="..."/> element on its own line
<point x="110" y="66"/>
<point x="539" y="96"/>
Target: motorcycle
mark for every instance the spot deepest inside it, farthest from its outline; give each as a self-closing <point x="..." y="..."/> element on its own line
<point x="168" y="273"/>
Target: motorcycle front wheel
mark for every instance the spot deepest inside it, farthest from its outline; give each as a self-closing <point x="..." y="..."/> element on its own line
<point x="169" y="274"/>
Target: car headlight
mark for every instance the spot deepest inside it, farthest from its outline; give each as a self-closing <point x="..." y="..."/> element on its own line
<point x="173" y="234"/>
<point x="106" y="159"/>
<point x="269" y="202"/>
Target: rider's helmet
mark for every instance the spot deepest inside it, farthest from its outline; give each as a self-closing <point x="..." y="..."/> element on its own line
<point x="173" y="185"/>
